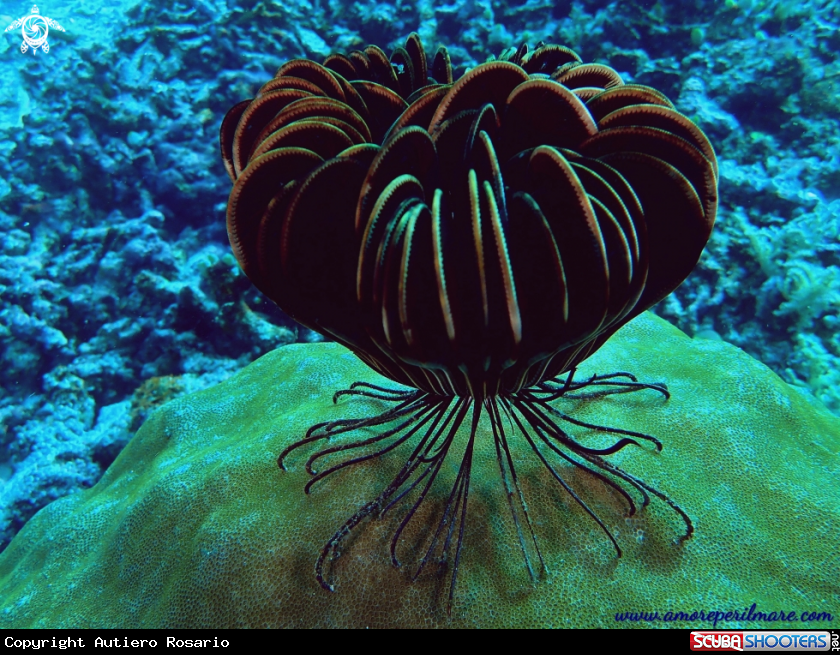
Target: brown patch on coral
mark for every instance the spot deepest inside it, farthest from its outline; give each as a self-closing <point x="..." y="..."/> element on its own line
<point x="150" y="395"/>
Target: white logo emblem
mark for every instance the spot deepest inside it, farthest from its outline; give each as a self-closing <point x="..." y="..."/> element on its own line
<point x="34" y="29"/>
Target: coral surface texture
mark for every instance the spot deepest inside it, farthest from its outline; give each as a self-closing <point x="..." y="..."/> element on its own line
<point x="194" y="525"/>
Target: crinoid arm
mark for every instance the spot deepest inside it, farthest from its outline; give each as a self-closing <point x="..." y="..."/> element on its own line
<point x="430" y="507"/>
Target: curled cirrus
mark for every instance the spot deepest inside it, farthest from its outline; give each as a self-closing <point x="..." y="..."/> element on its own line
<point x="471" y="237"/>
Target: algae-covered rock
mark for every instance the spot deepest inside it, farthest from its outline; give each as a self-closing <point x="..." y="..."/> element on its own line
<point x="195" y="525"/>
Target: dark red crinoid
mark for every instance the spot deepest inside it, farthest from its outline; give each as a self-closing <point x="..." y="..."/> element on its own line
<point x="473" y="240"/>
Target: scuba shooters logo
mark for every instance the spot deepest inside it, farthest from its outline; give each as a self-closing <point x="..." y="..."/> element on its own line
<point x="761" y="640"/>
<point x="35" y="28"/>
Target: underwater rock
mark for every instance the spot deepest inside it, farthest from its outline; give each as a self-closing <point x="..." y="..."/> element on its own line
<point x="195" y="526"/>
<point x="107" y="307"/>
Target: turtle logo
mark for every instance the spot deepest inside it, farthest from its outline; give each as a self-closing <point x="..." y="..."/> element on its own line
<point x="35" y="29"/>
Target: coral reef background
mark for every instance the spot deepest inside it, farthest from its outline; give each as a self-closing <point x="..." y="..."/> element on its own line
<point x="117" y="289"/>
